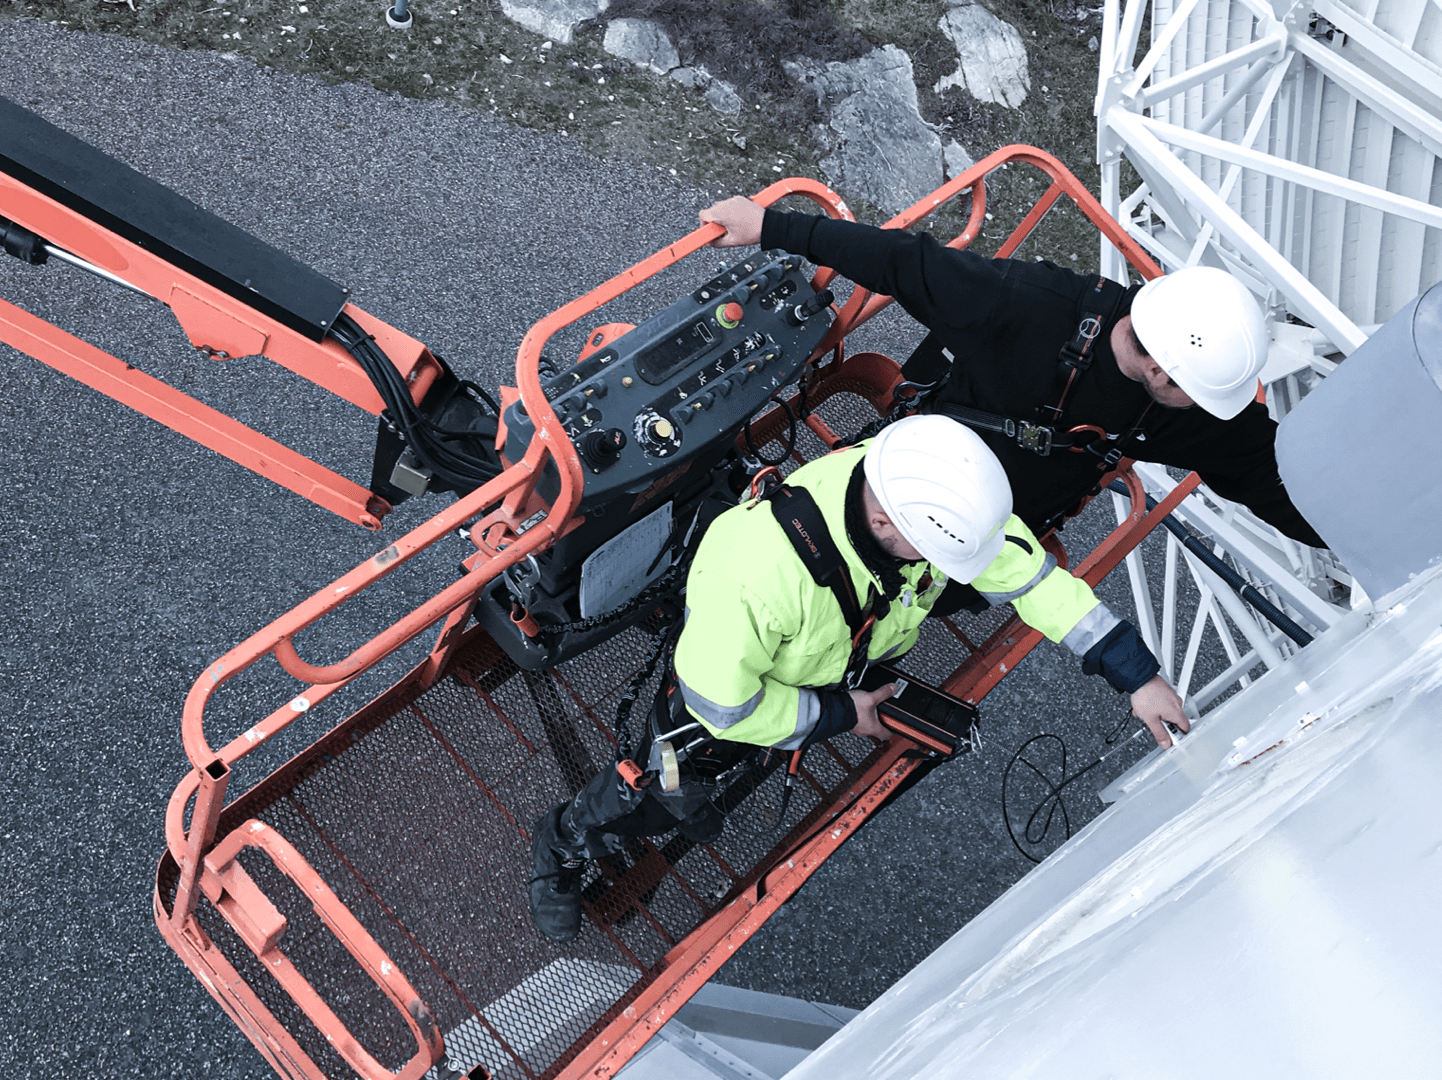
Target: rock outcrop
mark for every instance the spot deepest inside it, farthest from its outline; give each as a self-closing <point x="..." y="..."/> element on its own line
<point x="877" y="147"/>
<point x="722" y="96"/>
<point x="643" y="42"/>
<point x="554" y="19"/>
<point x="957" y="159"/>
<point x="993" y="58"/>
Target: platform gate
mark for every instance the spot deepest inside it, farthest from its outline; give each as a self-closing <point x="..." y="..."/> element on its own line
<point x="361" y="910"/>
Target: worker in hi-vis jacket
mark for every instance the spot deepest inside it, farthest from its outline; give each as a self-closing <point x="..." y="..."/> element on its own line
<point x="768" y="656"/>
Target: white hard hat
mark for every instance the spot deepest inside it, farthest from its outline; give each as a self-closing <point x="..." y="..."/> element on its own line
<point x="1204" y="328"/>
<point x="944" y="490"/>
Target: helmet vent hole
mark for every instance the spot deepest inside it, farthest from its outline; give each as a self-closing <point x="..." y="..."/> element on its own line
<point x="944" y="529"/>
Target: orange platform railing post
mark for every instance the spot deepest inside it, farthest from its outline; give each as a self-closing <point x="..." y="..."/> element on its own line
<point x="201" y="862"/>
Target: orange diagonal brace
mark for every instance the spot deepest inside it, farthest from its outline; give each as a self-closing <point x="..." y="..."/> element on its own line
<point x="193" y="419"/>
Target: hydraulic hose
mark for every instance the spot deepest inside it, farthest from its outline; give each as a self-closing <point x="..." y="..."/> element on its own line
<point x="1238" y="584"/>
<point x="449" y="453"/>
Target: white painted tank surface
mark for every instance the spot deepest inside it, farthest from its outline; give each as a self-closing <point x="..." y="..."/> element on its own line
<point x="1261" y="901"/>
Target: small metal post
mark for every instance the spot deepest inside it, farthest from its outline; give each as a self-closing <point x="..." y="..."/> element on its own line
<point x="209" y="799"/>
<point x="398" y="17"/>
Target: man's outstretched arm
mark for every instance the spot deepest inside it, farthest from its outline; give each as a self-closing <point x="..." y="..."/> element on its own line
<point x="938" y="286"/>
<point x="1067" y="611"/>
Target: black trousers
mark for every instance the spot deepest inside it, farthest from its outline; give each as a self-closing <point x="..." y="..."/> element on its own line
<point x="608" y="810"/>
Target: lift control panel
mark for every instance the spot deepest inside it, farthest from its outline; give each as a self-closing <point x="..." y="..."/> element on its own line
<point x="684" y="378"/>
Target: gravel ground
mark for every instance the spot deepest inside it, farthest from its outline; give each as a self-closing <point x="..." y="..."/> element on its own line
<point x="135" y="557"/>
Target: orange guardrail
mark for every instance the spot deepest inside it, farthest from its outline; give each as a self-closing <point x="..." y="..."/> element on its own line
<point x="202" y="888"/>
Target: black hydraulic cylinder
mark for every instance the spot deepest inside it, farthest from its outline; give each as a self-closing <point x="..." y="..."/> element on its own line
<point x="1234" y="580"/>
<point x="22" y="243"/>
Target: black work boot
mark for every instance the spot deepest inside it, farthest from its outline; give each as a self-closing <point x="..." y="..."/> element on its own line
<point x="555" y="881"/>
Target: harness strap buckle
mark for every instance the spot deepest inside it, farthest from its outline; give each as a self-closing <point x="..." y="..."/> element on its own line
<point x="1035" y="437"/>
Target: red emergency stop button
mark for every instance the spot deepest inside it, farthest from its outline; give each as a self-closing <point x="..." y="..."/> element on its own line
<point x="729" y="315"/>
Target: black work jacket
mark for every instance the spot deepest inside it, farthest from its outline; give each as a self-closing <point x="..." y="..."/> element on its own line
<point x="1005" y="322"/>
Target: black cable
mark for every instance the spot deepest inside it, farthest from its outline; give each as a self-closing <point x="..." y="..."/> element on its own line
<point x="667" y="585"/>
<point x="790" y="436"/>
<point x="1035" y="832"/>
<point x="660" y="643"/>
<point x="457" y="466"/>
<point x="747" y="781"/>
<point x="1238" y="584"/>
<point x="1049" y="805"/>
<point x="476" y="388"/>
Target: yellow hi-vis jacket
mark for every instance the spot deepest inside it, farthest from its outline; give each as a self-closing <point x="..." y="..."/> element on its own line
<point x="761" y="636"/>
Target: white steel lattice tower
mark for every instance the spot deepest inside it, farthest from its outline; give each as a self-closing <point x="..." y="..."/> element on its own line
<point x="1300" y="148"/>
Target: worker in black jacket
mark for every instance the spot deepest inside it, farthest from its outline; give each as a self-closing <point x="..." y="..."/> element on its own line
<point x="1061" y="373"/>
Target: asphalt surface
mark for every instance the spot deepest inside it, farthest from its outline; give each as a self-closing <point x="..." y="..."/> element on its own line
<point x="134" y="557"/>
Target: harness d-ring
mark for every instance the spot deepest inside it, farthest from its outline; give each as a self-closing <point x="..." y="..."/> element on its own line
<point x="866" y="626"/>
<point x="1081" y="448"/>
<point x="760" y="482"/>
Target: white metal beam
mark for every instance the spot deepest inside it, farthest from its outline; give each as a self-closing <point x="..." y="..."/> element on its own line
<point x="1160" y="42"/>
<point x="1259" y="123"/>
<point x="1397" y="56"/>
<point x="1239" y="90"/>
<point x="1127" y="38"/>
<point x="1271" y="47"/>
<point x="1405" y="115"/>
<point x="1194" y="511"/>
<point x="1156" y="163"/>
<point x="1325" y="182"/>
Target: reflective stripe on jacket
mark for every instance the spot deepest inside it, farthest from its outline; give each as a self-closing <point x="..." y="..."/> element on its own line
<point x="1046" y="597"/>
<point x="761" y="635"/>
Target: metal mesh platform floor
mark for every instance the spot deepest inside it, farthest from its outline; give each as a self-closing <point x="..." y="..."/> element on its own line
<point x="417" y="812"/>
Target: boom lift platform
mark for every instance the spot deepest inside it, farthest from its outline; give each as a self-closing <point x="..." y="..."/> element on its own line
<point x="360" y="910"/>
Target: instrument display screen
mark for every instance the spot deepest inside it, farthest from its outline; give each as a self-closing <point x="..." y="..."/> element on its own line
<point x="675" y="350"/>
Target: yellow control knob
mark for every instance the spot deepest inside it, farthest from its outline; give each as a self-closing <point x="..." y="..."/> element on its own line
<point x="662" y="429"/>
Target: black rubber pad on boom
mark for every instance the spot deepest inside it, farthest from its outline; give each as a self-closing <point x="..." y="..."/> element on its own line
<point x="75" y="174"/>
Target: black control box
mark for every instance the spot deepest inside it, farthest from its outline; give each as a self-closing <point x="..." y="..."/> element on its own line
<point x="683" y="379"/>
<point x="930" y="717"/>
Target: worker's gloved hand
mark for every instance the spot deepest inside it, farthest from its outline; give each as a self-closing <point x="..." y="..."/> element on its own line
<point x="741" y="218"/>
<point x="867" y="722"/>
<point x="1156" y="704"/>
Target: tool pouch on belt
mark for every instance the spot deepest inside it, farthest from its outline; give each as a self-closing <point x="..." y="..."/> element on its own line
<point x="700" y="755"/>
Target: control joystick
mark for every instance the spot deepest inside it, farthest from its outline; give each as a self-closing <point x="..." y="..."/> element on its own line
<point x="806" y="309"/>
<point x="601" y="448"/>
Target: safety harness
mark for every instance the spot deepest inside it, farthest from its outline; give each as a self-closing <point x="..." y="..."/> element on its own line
<point x="800" y="519"/>
<point x="1042" y="435"/>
